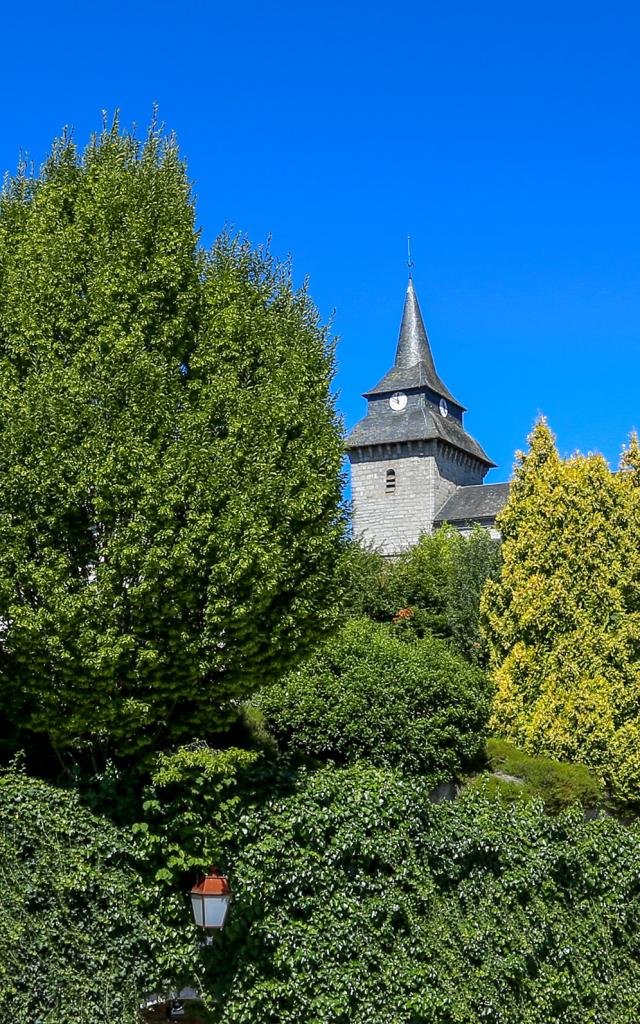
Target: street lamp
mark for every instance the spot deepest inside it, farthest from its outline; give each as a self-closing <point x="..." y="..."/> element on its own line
<point x="210" y="900"/>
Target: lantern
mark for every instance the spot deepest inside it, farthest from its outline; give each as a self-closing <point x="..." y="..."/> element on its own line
<point x="210" y="900"/>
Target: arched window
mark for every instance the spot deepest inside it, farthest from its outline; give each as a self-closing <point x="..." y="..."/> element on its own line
<point x="390" y="483"/>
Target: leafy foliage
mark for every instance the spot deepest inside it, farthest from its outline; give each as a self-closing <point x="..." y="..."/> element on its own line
<point x="357" y="900"/>
<point x="369" y="694"/>
<point x="439" y="580"/>
<point x="190" y="821"/>
<point x="564" y="618"/>
<point x="74" y="940"/>
<point x="556" y="783"/>
<point x="169" y="451"/>
<point x="191" y="809"/>
<point x="366" y="578"/>
<point x="477" y="558"/>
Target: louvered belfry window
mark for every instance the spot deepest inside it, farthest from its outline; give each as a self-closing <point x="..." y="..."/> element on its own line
<point x="390" y="483"/>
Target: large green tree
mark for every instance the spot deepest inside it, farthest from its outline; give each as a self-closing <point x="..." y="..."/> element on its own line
<point x="564" y="619"/>
<point x="169" y="455"/>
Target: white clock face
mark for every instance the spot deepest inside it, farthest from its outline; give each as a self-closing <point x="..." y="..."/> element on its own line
<point x="398" y="401"/>
<point x="444" y="408"/>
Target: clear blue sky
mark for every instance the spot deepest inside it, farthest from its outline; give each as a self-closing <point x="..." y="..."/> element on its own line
<point x="503" y="137"/>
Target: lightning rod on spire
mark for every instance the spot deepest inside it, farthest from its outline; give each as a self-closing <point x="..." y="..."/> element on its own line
<point x="409" y="260"/>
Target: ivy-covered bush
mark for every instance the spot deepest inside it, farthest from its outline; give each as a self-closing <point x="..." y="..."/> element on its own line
<point x="359" y="902"/>
<point x="76" y="943"/>
<point x="369" y="694"/>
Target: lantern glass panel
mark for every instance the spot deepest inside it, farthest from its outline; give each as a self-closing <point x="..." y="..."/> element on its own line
<point x="197" y="904"/>
<point x="215" y="911"/>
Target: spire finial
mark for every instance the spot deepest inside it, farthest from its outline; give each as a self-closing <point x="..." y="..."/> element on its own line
<point x="409" y="260"/>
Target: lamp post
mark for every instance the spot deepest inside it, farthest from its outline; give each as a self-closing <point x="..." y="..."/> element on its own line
<point x="210" y="899"/>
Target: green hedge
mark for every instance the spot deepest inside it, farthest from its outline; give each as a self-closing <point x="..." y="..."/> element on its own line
<point x="75" y="941"/>
<point x="368" y="694"/>
<point x="359" y="902"/>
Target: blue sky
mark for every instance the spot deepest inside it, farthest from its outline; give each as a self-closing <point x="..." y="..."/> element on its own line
<point x="503" y="137"/>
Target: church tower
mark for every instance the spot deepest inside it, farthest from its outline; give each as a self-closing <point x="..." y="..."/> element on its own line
<point x="410" y="453"/>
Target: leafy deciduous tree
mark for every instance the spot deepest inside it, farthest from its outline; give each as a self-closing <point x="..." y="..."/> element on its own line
<point x="440" y="579"/>
<point x="169" y="454"/>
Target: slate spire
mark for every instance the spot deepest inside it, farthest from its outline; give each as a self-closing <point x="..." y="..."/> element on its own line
<point x="413" y="343"/>
<point x="423" y="417"/>
<point x="414" y="365"/>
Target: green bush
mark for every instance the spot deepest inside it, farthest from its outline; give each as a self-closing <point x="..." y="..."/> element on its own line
<point x="440" y="580"/>
<point x="359" y="901"/>
<point x="369" y="694"/>
<point x="496" y="788"/>
<point x="556" y="782"/>
<point x="75" y="941"/>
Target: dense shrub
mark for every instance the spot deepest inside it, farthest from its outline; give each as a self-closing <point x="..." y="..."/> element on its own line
<point x="359" y="901"/>
<point x="557" y="783"/>
<point x="369" y="694"/>
<point x="75" y="943"/>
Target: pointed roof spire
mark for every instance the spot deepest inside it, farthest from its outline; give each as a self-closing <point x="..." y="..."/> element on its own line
<point x="413" y="343"/>
<point x="414" y="365"/>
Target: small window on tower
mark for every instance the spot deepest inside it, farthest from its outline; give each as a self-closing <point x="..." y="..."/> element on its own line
<point x="390" y="484"/>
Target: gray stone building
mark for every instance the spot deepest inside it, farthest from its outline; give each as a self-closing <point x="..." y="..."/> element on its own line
<point x="413" y="465"/>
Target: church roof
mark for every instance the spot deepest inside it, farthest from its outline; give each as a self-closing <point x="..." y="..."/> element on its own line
<point x="419" y="424"/>
<point x="475" y="502"/>
<point x="414" y="366"/>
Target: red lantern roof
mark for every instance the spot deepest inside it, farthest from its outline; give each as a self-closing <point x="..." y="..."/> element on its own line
<point x="214" y="884"/>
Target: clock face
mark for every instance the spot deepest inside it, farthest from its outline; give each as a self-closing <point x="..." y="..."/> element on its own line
<point x="398" y="401"/>
<point x="444" y="408"/>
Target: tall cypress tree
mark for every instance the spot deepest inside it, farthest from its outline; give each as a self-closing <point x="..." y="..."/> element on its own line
<point x="564" y="619"/>
<point x="169" y="456"/>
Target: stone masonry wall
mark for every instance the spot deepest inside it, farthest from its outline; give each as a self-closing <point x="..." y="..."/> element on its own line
<point x="427" y="473"/>
<point x="455" y="469"/>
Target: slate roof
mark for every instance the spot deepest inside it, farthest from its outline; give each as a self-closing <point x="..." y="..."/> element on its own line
<point x="478" y="501"/>
<point x="416" y="425"/>
<point x="414" y="366"/>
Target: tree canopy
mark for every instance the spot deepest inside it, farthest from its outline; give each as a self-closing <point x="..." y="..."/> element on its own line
<point x="564" y="618"/>
<point x="169" y="450"/>
<point x="436" y="585"/>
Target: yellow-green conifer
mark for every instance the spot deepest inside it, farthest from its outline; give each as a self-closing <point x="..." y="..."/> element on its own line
<point x="564" y="619"/>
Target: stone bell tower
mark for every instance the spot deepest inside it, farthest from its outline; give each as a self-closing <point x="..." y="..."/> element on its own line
<point x="410" y="453"/>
